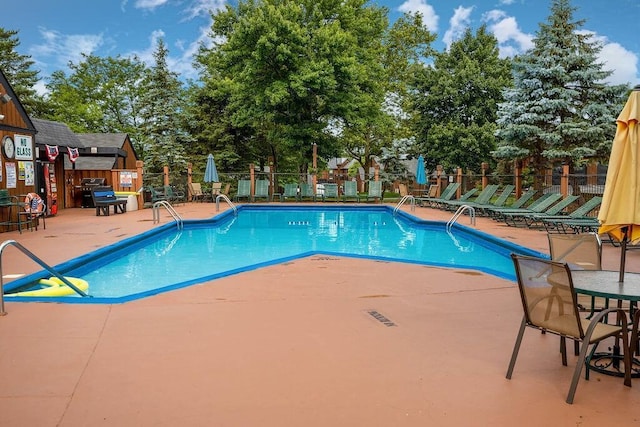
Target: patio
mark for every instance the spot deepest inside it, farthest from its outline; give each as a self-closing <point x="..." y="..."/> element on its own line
<point x="320" y="341"/>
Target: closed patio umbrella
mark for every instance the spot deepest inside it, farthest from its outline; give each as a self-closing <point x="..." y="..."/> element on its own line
<point x="620" y="210"/>
<point x="210" y="172"/>
<point x="421" y="176"/>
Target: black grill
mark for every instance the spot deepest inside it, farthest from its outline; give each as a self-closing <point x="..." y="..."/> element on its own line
<point x="85" y="189"/>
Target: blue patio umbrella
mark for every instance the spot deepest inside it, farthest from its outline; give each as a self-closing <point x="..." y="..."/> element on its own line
<point x="210" y="172"/>
<point x="421" y="175"/>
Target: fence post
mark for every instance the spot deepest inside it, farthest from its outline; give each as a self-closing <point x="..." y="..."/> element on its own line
<point x="439" y="179"/>
<point x="517" y="172"/>
<point x="140" y="183"/>
<point x="459" y="180"/>
<point x="564" y="180"/>
<point x="189" y="180"/>
<point x="165" y="173"/>
<point x="252" y="177"/>
<point x="485" y="178"/>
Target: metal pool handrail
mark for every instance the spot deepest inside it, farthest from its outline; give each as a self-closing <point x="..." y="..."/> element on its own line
<point x="170" y="209"/>
<point x="39" y="261"/>
<point x="460" y="211"/>
<point x="403" y="200"/>
<point x="226" y="199"/>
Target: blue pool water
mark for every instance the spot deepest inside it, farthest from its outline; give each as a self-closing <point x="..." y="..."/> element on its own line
<point x="167" y="258"/>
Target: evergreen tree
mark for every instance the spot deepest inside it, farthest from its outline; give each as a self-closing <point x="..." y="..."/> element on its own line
<point x="164" y="139"/>
<point x="456" y="102"/>
<point x="20" y="74"/>
<point x="559" y="109"/>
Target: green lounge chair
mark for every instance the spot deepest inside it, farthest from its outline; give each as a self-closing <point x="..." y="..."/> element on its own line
<point x="290" y="192"/>
<point x="306" y="192"/>
<point x="577" y="218"/>
<point x="441" y="204"/>
<point x="350" y="191"/>
<point x="330" y="192"/>
<point x="244" y="190"/>
<point x="447" y="194"/>
<point x="539" y="205"/>
<point x="498" y="202"/>
<point x="375" y="191"/>
<point x="483" y="198"/>
<point x="529" y="219"/>
<point x="262" y="190"/>
<point x="488" y="210"/>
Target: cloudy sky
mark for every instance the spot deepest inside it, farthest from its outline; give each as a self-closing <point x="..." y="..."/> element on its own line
<point x="55" y="33"/>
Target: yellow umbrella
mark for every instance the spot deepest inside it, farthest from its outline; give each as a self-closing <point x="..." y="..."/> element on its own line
<point x="620" y="210"/>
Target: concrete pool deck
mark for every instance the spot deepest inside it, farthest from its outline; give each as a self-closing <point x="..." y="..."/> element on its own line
<point x="320" y="341"/>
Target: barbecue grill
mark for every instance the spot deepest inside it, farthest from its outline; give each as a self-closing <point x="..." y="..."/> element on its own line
<point x="85" y="189"/>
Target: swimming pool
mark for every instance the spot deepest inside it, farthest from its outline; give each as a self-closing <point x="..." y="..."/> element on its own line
<point x="260" y="235"/>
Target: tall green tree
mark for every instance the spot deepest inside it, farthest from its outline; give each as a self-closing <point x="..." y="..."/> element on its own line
<point x="164" y="138"/>
<point x="18" y="69"/>
<point x="99" y="95"/>
<point x="456" y="102"/>
<point x="559" y="109"/>
<point x="293" y="73"/>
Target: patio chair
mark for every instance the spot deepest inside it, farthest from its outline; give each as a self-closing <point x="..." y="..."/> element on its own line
<point x="550" y="305"/>
<point x="498" y="202"/>
<point x="447" y="194"/>
<point x="375" y="191"/>
<point x="306" y="192"/>
<point x="350" y="191"/>
<point x="290" y="192"/>
<point x="330" y="192"/>
<point x="156" y="195"/>
<point x="173" y="196"/>
<point x="195" y="189"/>
<point x="244" y="190"/>
<point x="262" y="190"/>
<point x="488" y="210"/>
<point x="216" y="189"/>
<point x="582" y="252"/>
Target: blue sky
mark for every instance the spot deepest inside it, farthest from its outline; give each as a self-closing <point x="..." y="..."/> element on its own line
<point x="56" y="32"/>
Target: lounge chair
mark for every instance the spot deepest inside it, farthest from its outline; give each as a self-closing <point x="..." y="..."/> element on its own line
<point x="578" y="216"/>
<point x="447" y="194"/>
<point x="330" y="192"/>
<point x="197" y="195"/>
<point x="442" y="204"/>
<point x="530" y="219"/>
<point x="262" y="190"/>
<point x="244" y="190"/>
<point x="524" y="198"/>
<point x="549" y="304"/>
<point x="375" y="191"/>
<point x="290" y="192"/>
<point x="306" y="192"/>
<point x="483" y="198"/>
<point x="541" y="204"/>
<point x="498" y="202"/>
<point x="216" y="189"/>
<point x="350" y="191"/>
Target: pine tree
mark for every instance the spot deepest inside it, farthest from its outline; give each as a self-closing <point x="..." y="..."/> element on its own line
<point x="19" y="73"/>
<point x="560" y="109"/>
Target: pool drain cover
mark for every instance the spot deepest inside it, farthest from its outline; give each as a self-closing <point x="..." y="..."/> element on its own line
<point x="381" y="318"/>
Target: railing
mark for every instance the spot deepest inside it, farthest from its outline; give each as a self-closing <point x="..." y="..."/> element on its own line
<point x="226" y="199"/>
<point x="402" y="201"/>
<point x="39" y="261"/>
<point x="460" y="211"/>
<point x="170" y="209"/>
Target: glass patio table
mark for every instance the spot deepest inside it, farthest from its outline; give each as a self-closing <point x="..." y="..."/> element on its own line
<point x="605" y="284"/>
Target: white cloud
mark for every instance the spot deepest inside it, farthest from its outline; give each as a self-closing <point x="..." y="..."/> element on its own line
<point x="511" y="39"/>
<point x="458" y="24"/>
<point x="202" y="8"/>
<point x="616" y="58"/>
<point x="60" y="49"/>
<point x="507" y="2"/>
<point x="149" y="4"/>
<point x="429" y="16"/>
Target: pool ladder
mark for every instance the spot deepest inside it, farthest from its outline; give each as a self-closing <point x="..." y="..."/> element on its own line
<point x="31" y="255"/>
<point x="170" y="209"/>
<point x="226" y="199"/>
<point x="406" y="198"/>
<point x="460" y="211"/>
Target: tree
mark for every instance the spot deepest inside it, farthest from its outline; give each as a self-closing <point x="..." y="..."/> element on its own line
<point x="19" y="73"/>
<point x="559" y="109"/>
<point x="293" y="73"/>
<point x="164" y="138"/>
<point x="99" y="95"/>
<point x="456" y="102"/>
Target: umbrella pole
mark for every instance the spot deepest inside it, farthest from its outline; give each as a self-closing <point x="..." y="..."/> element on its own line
<point x="623" y="256"/>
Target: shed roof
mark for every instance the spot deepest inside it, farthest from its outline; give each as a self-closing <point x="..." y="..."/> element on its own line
<point x="55" y="133"/>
